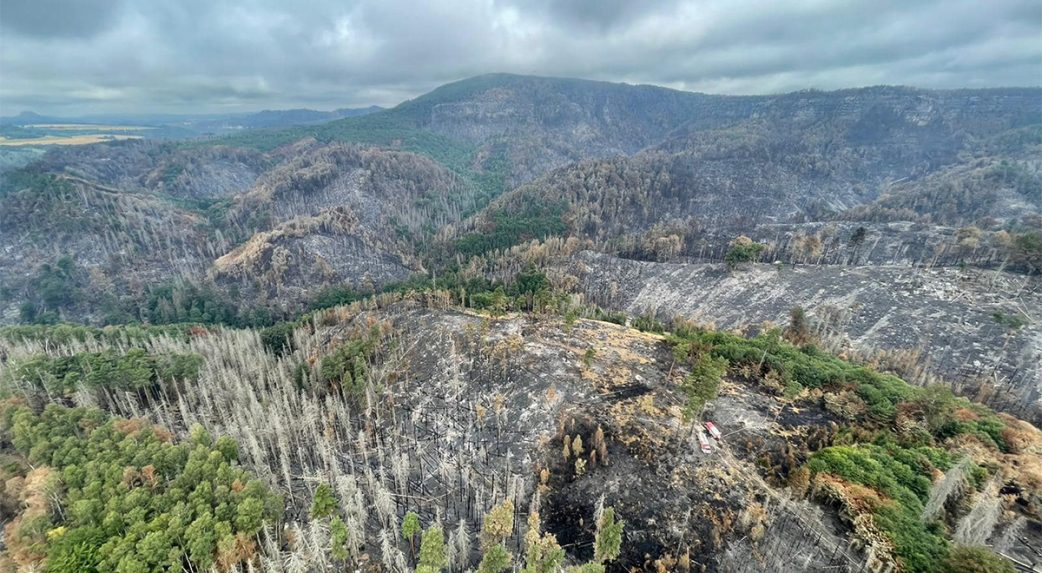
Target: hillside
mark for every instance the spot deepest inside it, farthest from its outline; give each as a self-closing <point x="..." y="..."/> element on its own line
<point x="409" y="407"/>
<point x="266" y="224"/>
<point x="482" y="330"/>
<point x="957" y="156"/>
<point x="979" y="332"/>
<point x="300" y="218"/>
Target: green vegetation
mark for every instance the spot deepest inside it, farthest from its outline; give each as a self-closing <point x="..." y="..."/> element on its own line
<point x="131" y="334"/>
<point x="323" y="504"/>
<point x="1017" y="177"/>
<point x="278" y="338"/>
<point x="506" y="229"/>
<point x="55" y="287"/>
<point x="648" y="323"/>
<point x="410" y="529"/>
<point x="609" y="316"/>
<point x="896" y="467"/>
<point x="607" y="542"/>
<point x="498" y="524"/>
<point x="702" y="384"/>
<point x="899" y="474"/>
<point x="542" y="552"/>
<point x="1011" y="321"/>
<point x="338" y="537"/>
<point x="1027" y="251"/>
<point x="180" y="303"/>
<point x="337" y="296"/>
<point x="975" y="560"/>
<point x="743" y="250"/>
<point x="432" y="551"/>
<point x="401" y="128"/>
<point x="134" y="370"/>
<point x="30" y="179"/>
<point x="344" y="368"/>
<point x="131" y="500"/>
<point x="794" y="368"/>
<point x="530" y="290"/>
<point x="495" y="559"/>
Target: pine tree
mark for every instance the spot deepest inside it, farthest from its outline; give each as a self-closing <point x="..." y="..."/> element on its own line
<point x="495" y="560"/>
<point x="324" y="503"/>
<point x="432" y="551"/>
<point x="411" y="528"/>
<point x="499" y="523"/>
<point x="338" y="539"/>
<point x="607" y="542"/>
<point x="542" y="552"/>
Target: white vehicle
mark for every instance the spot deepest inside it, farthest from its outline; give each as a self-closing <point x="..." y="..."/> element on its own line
<point x="713" y="431"/>
<point x="703" y="442"/>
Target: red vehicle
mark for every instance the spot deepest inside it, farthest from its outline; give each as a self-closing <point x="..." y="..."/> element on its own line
<point x="713" y="431"/>
<point x="703" y="442"/>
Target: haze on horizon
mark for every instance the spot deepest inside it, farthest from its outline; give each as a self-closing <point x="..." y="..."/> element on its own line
<point x="199" y="56"/>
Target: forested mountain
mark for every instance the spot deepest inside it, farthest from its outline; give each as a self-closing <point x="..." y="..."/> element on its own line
<point x="808" y="155"/>
<point x="482" y="329"/>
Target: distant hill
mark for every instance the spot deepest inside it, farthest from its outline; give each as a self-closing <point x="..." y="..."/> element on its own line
<point x="741" y="161"/>
<point x="176" y="125"/>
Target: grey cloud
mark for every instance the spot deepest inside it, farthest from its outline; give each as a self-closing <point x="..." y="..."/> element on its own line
<point x="57" y="18"/>
<point x="602" y="15"/>
<point x="200" y="55"/>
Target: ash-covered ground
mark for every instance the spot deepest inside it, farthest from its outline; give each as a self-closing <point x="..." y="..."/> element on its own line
<point x="977" y="331"/>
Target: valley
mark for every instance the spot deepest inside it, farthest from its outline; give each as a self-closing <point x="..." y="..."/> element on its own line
<point x="482" y="330"/>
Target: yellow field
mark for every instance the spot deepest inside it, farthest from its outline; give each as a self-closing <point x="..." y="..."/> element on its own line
<point x="87" y="127"/>
<point x="62" y="140"/>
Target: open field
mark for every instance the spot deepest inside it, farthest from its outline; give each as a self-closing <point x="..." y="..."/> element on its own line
<point x="66" y="140"/>
<point x="87" y="127"/>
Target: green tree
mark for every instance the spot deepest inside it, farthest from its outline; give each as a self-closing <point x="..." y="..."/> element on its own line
<point x="201" y="541"/>
<point x="498" y="524"/>
<point x="135" y="501"/>
<point x="495" y="559"/>
<point x="249" y="514"/>
<point x="432" y="551"/>
<point x="338" y="549"/>
<point x="607" y="542"/>
<point x="703" y="383"/>
<point x="228" y="448"/>
<point x="542" y="552"/>
<point x="324" y="504"/>
<point x="76" y="551"/>
<point x="410" y="528"/>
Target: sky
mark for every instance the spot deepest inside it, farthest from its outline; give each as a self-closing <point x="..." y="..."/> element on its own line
<point x="77" y="57"/>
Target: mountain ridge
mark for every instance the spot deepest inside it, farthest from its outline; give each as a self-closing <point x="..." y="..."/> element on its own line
<point x="458" y="177"/>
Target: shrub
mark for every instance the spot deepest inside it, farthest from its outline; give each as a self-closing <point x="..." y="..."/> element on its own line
<point x="743" y="250"/>
<point x="976" y="560"/>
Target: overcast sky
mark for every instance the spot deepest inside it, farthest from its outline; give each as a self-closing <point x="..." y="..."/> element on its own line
<point x="103" y="56"/>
